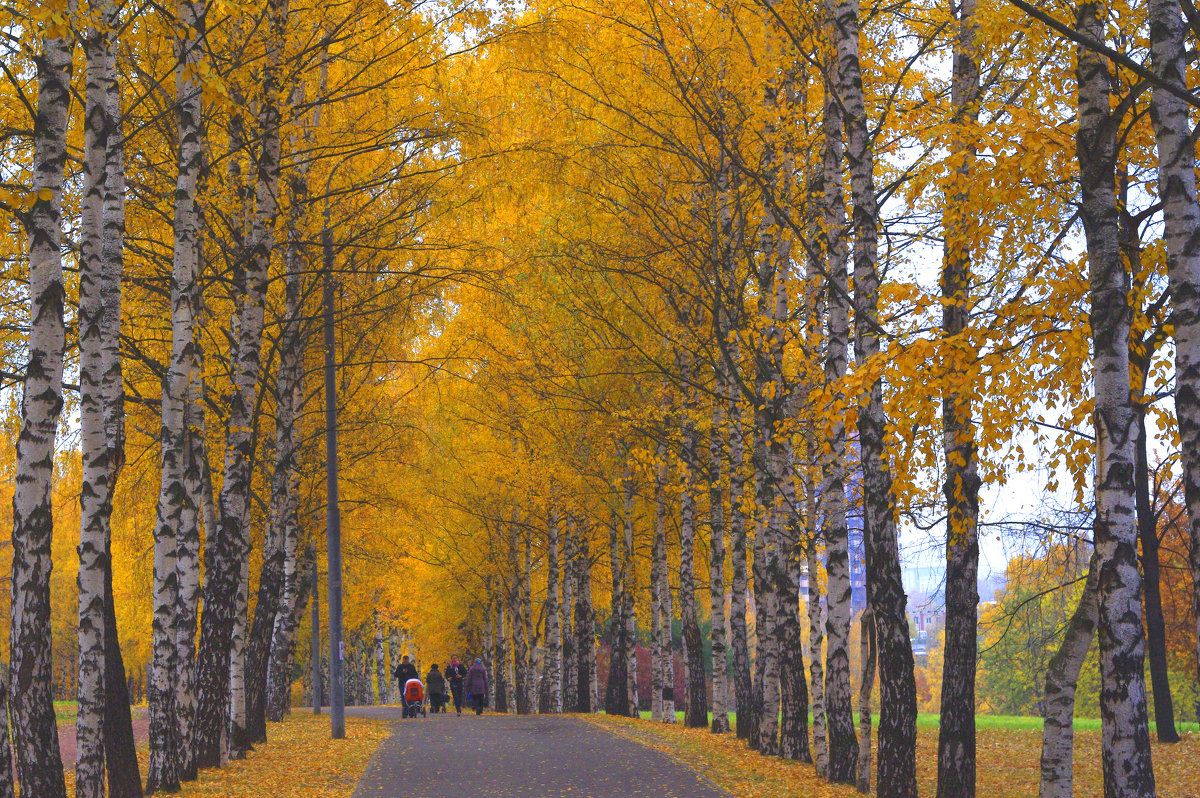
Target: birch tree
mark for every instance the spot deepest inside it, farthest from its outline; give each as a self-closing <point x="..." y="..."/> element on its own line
<point x="570" y="672"/>
<point x="163" y="773"/>
<point x="696" y="713"/>
<point x="1062" y="677"/>
<point x="897" y="688"/>
<point x="94" y="352"/>
<point x="1128" y="770"/>
<point x="716" y="579"/>
<point x="552" y="674"/>
<point x="35" y="735"/>
<point x="843" y="743"/>
<point x="956" y="733"/>
<point x="739" y="637"/>
<point x="1181" y="234"/>
<point x="664" y="654"/>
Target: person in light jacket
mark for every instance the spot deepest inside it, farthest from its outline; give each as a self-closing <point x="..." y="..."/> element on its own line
<point x="477" y="685"/>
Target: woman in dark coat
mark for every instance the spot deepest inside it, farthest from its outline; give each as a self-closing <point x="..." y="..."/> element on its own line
<point x="477" y="685"/>
<point x="435" y="684"/>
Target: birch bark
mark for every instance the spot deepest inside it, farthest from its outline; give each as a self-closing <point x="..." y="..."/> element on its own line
<point x="552" y="674"/>
<point x="96" y="493"/>
<point x="1128" y="770"/>
<point x="187" y="550"/>
<point x="867" y="654"/>
<point x="570" y="673"/>
<point x="696" y="712"/>
<point x="35" y="736"/>
<point x="530" y="633"/>
<point x="716" y="573"/>
<point x="585" y="638"/>
<point x="164" y="771"/>
<point x="221" y="664"/>
<point x="793" y="689"/>
<point x="743" y="685"/>
<point x="616" y="694"/>
<point x="237" y="741"/>
<point x="7" y="788"/>
<point x="897" y="686"/>
<point x="662" y="585"/>
<point x="956" y="733"/>
<point x="120" y="754"/>
<point x="628" y="592"/>
<point x="520" y="645"/>
<point x="500" y="666"/>
<point x="816" y="637"/>
<point x="843" y="744"/>
<point x="1062" y="677"/>
<point x="1181" y="233"/>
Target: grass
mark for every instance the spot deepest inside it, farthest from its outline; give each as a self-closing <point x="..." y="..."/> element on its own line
<point x="1008" y="753"/>
<point x="66" y="711"/>
<point x="931" y="720"/>
<point x="298" y="761"/>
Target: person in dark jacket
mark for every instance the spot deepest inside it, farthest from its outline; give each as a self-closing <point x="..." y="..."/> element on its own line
<point x="456" y="674"/>
<point x="435" y="685"/>
<point x="477" y="685"/>
<point x="405" y="671"/>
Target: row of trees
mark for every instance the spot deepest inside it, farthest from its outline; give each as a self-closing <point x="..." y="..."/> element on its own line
<point x="766" y="270"/>
<point x="224" y="165"/>
<point x="634" y="301"/>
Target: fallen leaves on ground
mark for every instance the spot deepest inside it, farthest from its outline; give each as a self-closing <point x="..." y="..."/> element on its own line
<point x="299" y="760"/>
<point x="1007" y="762"/>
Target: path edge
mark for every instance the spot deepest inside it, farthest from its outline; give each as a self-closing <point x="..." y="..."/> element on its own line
<point x="358" y="793"/>
<point x="585" y="719"/>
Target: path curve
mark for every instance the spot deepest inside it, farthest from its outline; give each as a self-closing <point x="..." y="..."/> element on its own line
<point x="511" y="755"/>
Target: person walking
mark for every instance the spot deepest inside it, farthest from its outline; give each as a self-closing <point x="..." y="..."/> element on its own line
<point x="477" y="685"/>
<point x="405" y="671"/>
<point x="456" y="673"/>
<point x="435" y="683"/>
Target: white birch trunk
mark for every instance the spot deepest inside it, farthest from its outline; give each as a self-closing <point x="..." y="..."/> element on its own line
<point x="552" y="673"/>
<point x="96" y="493"/>
<point x="897" y="686"/>
<point x="39" y="764"/>
<point x="1181" y="234"/>
<point x="7" y="788"/>
<point x="628" y="592"/>
<point x="237" y="744"/>
<point x="164" y="769"/>
<point x="570" y="669"/>
<point x="1128" y="770"/>
<point x="658" y="564"/>
<point x="1062" y="677"/>
<point x="666" y="651"/>
<point x="816" y="638"/>
<point x="843" y="743"/>
<point x="866" y="683"/>
<point x="508" y="633"/>
<point x="716" y="582"/>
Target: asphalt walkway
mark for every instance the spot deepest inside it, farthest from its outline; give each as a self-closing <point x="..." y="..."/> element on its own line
<point x="509" y="755"/>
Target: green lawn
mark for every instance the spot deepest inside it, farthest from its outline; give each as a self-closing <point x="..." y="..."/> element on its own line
<point x="65" y="711"/>
<point x="931" y="720"/>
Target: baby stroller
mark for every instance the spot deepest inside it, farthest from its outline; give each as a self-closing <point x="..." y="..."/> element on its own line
<point x="413" y="699"/>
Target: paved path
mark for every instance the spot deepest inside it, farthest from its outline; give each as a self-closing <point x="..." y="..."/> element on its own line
<point x="507" y="755"/>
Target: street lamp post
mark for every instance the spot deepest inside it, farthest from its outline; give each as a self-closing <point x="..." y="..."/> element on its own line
<point x="333" y="522"/>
